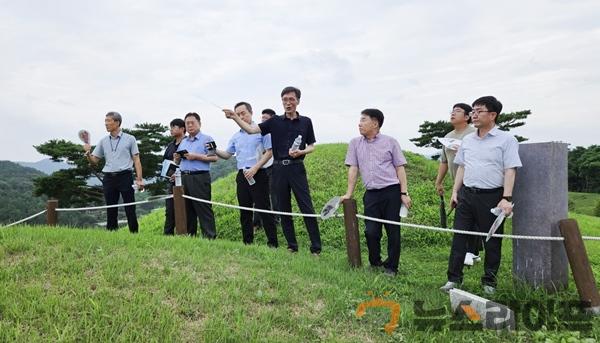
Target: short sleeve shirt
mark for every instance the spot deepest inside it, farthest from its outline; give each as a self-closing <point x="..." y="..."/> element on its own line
<point x="376" y="159"/>
<point x="248" y="148"/>
<point x="486" y="158"/>
<point x="195" y="144"/>
<point x="117" y="152"/>
<point x="284" y="131"/>
<point x="449" y="154"/>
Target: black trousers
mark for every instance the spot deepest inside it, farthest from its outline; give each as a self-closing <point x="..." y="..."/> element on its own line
<point x="292" y="178"/>
<point x="256" y="196"/>
<point x="115" y="185"/>
<point x="384" y="204"/>
<point x="198" y="186"/>
<point x="169" y="228"/>
<point x="257" y="221"/>
<point x="473" y="213"/>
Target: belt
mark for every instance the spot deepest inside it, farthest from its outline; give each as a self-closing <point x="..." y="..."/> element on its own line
<point x="483" y="190"/>
<point x="193" y="172"/>
<point x="287" y="162"/>
<point x="396" y="185"/>
<point x="122" y="172"/>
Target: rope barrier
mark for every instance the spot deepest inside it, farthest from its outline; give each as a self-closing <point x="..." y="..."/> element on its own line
<point x="337" y="215"/>
<point x="24" y="219"/>
<point x="472" y="233"/>
<point x="253" y="209"/>
<point x="70" y="209"/>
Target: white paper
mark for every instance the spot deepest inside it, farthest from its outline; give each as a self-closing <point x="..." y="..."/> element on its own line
<point x="450" y="143"/>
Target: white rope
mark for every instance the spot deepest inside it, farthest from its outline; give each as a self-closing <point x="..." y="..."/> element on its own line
<point x="253" y="209"/>
<point x="69" y="209"/>
<point x="472" y="233"/>
<point x="590" y="238"/>
<point x="25" y="219"/>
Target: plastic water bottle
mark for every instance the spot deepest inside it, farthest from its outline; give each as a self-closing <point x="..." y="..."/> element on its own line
<point x="251" y="180"/>
<point x="297" y="142"/>
<point x="178" y="177"/>
<point x="403" y="211"/>
<point x="137" y="189"/>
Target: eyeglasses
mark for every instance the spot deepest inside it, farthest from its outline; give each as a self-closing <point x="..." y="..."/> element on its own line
<point x="477" y="112"/>
<point x="457" y="110"/>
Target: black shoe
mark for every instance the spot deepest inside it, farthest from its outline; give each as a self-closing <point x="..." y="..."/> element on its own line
<point x="292" y="250"/>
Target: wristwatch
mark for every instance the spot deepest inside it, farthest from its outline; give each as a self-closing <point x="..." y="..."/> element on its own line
<point x="507" y="198"/>
<point x="403" y="193"/>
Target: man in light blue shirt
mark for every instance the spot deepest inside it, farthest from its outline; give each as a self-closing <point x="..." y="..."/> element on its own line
<point x="194" y="155"/>
<point x="252" y="181"/>
<point x="121" y="154"/>
<point x="485" y="178"/>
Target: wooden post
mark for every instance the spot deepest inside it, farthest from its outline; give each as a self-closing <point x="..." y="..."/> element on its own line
<point x="580" y="265"/>
<point x="51" y="214"/>
<point x="180" y="215"/>
<point x="352" y="236"/>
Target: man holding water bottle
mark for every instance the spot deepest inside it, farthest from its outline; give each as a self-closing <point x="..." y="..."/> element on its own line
<point x="121" y="154"/>
<point x="293" y="137"/>
<point x="252" y="181"/>
<point x="380" y="161"/>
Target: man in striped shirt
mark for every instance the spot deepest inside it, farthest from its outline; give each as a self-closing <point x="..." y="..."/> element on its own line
<point x="380" y="162"/>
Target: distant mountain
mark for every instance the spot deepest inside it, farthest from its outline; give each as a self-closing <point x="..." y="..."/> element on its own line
<point x="46" y="166"/>
<point x="16" y="193"/>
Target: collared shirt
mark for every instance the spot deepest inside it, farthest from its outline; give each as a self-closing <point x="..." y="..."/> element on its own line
<point x="448" y="155"/>
<point x="284" y="131"/>
<point x="196" y="144"/>
<point x="485" y="159"/>
<point x="117" y="151"/>
<point x="376" y="159"/>
<point x="248" y="148"/>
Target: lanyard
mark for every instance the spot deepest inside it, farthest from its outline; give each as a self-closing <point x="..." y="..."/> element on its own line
<point x="116" y="146"/>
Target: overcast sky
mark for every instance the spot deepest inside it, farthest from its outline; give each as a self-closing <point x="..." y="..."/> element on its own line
<point x="64" y="64"/>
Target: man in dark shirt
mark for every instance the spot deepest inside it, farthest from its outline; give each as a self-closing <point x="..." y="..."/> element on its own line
<point x="289" y="173"/>
<point x="178" y="133"/>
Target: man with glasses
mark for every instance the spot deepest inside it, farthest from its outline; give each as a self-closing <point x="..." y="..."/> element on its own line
<point x="460" y="118"/>
<point x="252" y="181"/>
<point x="289" y="173"/>
<point x="487" y="161"/>
<point x="194" y="156"/>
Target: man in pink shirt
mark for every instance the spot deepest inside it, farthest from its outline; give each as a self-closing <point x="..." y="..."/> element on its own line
<point x="380" y="162"/>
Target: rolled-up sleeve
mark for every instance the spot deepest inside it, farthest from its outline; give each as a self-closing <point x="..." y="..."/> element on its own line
<point x="351" y="156"/>
<point x="398" y="158"/>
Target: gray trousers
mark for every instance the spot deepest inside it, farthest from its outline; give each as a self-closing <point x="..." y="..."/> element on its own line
<point x="198" y="186"/>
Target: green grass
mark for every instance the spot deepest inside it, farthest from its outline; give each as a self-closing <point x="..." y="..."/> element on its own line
<point x="61" y="284"/>
<point x="583" y="203"/>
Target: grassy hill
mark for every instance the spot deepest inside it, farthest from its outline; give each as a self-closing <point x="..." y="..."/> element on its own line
<point x="327" y="178"/>
<point x="61" y="284"/>
<point x="583" y="203"/>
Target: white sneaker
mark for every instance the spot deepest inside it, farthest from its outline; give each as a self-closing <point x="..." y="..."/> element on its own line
<point x="476" y="258"/>
<point x="449" y="285"/>
<point x="468" y="259"/>
<point x="489" y="290"/>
